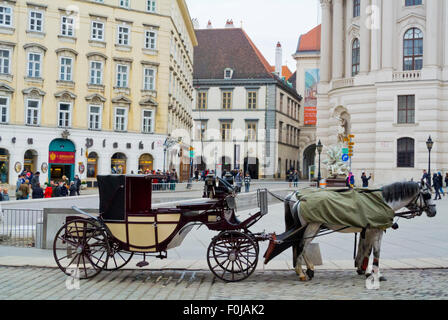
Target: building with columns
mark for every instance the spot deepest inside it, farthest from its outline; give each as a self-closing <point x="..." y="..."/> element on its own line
<point x="94" y="87"/>
<point x="383" y="79"/>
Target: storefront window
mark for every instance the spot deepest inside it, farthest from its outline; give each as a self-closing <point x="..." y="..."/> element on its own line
<point x="118" y="163"/>
<point x="145" y="163"/>
<point x="92" y="165"/>
<point x="4" y="165"/>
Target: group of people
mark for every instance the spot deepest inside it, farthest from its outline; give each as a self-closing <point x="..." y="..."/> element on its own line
<point x="167" y="180"/>
<point x="237" y="178"/>
<point x="293" y="177"/>
<point x="350" y="181"/>
<point x="28" y="186"/>
<point x="437" y="183"/>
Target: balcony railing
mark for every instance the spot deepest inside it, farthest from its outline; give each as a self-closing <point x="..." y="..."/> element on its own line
<point x="407" y="75"/>
<point x="348" y="82"/>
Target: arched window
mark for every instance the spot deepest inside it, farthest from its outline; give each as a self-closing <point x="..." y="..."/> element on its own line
<point x="405" y="153"/>
<point x="355" y="57"/>
<point x="413" y="49"/>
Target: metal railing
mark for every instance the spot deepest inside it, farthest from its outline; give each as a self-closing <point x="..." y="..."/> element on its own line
<point x="20" y="227"/>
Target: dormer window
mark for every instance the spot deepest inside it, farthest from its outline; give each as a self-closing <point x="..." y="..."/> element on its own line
<point x="228" y="73"/>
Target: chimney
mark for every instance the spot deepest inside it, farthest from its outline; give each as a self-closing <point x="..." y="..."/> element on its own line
<point x="209" y="25"/>
<point x="278" y="59"/>
<point x="229" y="24"/>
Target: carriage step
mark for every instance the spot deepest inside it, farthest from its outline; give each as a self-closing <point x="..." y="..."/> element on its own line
<point x="142" y="264"/>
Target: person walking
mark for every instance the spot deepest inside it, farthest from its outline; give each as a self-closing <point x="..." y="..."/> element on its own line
<point x="38" y="192"/>
<point x="426" y="179"/>
<point x="290" y="177"/>
<point x="365" y="180"/>
<point x="247" y="181"/>
<point x="436" y="185"/>
<point x="350" y="182"/>
<point x="77" y="184"/>
<point x="296" y="178"/>
<point x="440" y="179"/>
<point x="73" y="189"/>
<point x="239" y="181"/>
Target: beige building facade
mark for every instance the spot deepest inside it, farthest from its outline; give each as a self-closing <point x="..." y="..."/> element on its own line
<point x="108" y="80"/>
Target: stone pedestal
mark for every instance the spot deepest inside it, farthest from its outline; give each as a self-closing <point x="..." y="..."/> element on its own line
<point x="336" y="183"/>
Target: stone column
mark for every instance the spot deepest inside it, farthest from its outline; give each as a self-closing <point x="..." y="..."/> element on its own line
<point x="387" y="33"/>
<point x="325" y="51"/>
<point x="431" y="47"/>
<point x="365" y="32"/>
<point x="375" y="58"/>
<point x="338" y="39"/>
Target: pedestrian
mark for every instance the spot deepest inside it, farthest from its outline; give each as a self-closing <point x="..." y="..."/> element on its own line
<point x="247" y="180"/>
<point x="296" y="178"/>
<point x="64" y="189"/>
<point x="56" y="190"/>
<point x="290" y="177"/>
<point x="24" y="191"/>
<point x="446" y="180"/>
<point x="35" y="180"/>
<point x="38" y="192"/>
<point x="365" y="180"/>
<point x="426" y="179"/>
<point x="48" y="190"/>
<point x="239" y="181"/>
<point x="350" y="182"/>
<point x="5" y="194"/>
<point x="73" y="189"/>
<point x="77" y="184"/>
<point x="20" y="180"/>
<point x="440" y="181"/>
<point x="436" y="185"/>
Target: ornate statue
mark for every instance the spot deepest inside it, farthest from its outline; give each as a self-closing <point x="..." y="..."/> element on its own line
<point x="335" y="165"/>
<point x="343" y="129"/>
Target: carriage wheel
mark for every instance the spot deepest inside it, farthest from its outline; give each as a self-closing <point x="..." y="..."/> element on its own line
<point x="81" y="249"/>
<point x="117" y="258"/>
<point x="232" y="256"/>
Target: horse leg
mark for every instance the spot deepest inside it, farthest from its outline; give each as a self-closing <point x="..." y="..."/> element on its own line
<point x="376" y="251"/>
<point x="310" y="233"/>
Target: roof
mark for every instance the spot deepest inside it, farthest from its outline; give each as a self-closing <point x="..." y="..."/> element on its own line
<point x="310" y="41"/>
<point x="286" y="72"/>
<point x="219" y="49"/>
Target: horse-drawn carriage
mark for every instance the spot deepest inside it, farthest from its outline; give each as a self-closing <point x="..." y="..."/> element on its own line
<point x="127" y="225"/>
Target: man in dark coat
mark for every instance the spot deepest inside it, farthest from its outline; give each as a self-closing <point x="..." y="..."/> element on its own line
<point x="35" y="180"/>
<point x="38" y="192"/>
<point x="64" y="189"/>
<point x="365" y="180"/>
<point x="426" y="178"/>
<point x="77" y="184"/>
<point x="437" y="185"/>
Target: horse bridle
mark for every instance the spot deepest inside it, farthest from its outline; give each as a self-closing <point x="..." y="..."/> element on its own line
<point x="417" y="207"/>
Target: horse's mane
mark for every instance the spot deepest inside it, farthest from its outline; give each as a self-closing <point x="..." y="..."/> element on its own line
<point x="400" y="191"/>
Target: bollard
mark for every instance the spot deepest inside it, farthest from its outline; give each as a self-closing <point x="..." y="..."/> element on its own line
<point x="323" y="183"/>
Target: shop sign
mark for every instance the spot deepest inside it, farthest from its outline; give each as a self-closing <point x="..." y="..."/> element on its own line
<point x="62" y="157"/>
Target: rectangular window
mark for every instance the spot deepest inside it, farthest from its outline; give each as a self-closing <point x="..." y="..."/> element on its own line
<point x="202" y="100"/>
<point x="201" y="128"/>
<point x="226" y="131"/>
<point x="409" y="3"/>
<point x="151" y="40"/>
<point x="125" y="3"/>
<point x="94" y="117"/>
<point x="281" y="102"/>
<point x="68" y="26"/>
<point x="147" y="122"/>
<point x="251" y="131"/>
<point x="4" y="110"/>
<point x="356" y="8"/>
<point x="5" y="61"/>
<point x="32" y="112"/>
<point x="406" y="109"/>
<point x="5" y="16"/>
<point x="97" y="31"/>
<point x="64" y="115"/>
<point x="34" y="64"/>
<point x="149" y="79"/>
<point x="122" y="76"/>
<point x="96" y="72"/>
<point x="252" y="100"/>
<point x="226" y="100"/>
<point x="123" y="35"/>
<point x="36" y="21"/>
<point x="120" y="119"/>
<point x="66" y="69"/>
<point x="151" y="5"/>
<point x="280" y="131"/>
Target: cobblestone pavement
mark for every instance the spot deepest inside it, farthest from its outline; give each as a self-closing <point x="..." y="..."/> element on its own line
<point x="19" y="283"/>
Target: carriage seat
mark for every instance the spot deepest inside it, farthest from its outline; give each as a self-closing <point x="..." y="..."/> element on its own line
<point x="196" y="208"/>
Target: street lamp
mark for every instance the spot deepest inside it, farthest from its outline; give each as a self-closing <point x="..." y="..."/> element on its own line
<point x="319" y="150"/>
<point x="429" y="144"/>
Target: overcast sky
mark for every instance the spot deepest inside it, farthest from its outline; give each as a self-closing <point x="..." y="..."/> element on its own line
<point x="265" y="21"/>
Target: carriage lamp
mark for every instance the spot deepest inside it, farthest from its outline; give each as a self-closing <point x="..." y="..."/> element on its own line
<point x="319" y="148"/>
<point x="429" y="144"/>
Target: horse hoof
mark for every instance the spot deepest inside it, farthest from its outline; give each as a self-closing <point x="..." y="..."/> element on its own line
<point x="383" y="279"/>
<point x="302" y="278"/>
<point x="360" y="272"/>
<point x="310" y="273"/>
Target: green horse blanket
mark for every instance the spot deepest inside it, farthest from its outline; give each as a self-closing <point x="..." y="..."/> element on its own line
<point x="360" y="208"/>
